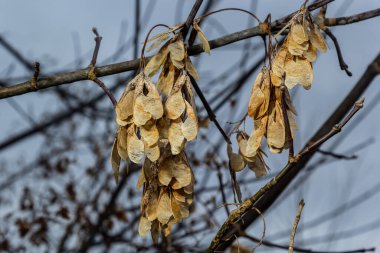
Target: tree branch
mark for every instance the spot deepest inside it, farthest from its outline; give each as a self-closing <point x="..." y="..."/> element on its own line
<point x="116" y="68"/>
<point x="244" y="214"/>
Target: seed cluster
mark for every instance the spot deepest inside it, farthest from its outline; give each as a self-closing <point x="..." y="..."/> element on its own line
<point x="155" y="122"/>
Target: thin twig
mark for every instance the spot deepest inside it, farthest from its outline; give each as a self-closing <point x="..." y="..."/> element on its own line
<point x="92" y="71"/>
<point x="352" y="19"/>
<point x="342" y="63"/>
<point x="209" y="111"/>
<point x="337" y="156"/>
<point x="335" y="129"/>
<point x="295" y="224"/>
<point x="221" y="188"/>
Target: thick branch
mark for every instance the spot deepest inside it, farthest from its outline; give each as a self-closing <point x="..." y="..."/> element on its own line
<point x="245" y="214"/>
<point x="116" y="68"/>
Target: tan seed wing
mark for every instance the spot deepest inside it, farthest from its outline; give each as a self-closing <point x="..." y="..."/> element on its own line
<point x="298" y="33"/>
<point x="177" y="49"/>
<point x="156" y="61"/>
<point x="140" y="116"/>
<point x="176" y="138"/>
<point x="202" y="38"/>
<point x="181" y="172"/>
<point x="135" y="147"/>
<point x="165" y="171"/>
<point x="191" y="69"/>
<point x="151" y="209"/>
<point x="311" y="53"/>
<point x="122" y="146"/>
<point x="297" y="49"/>
<point x="175" y="105"/>
<point x="179" y="195"/>
<point x="124" y="108"/>
<point x="190" y="125"/>
<point x="149" y="133"/>
<point x="152" y="152"/>
<point x="317" y="39"/>
<point x="115" y="161"/>
<point x="276" y="129"/>
<point x="164" y="210"/>
<point x="298" y="71"/>
<point x="152" y="101"/>
<point x="166" y="79"/>
<point x="144" y="226"/>
<point x="141" y="179"/>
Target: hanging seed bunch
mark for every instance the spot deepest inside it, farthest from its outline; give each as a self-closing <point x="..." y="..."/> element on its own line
<point x="298" y="52"/>
<point x="155" y="123"/>
<point x="291" y="65"/>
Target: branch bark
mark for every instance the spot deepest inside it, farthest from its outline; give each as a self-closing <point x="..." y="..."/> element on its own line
<point x="116" y="68"/>
<point x="249" y="215"/>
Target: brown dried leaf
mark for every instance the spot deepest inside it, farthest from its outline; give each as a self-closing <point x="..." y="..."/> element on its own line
<point x="202" y="38"/>
<point x="152" y="101"/>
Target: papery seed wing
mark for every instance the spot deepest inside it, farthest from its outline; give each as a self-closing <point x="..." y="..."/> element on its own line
<point x="276" y="130"/>
<point x="152" y="152"/>
<point x="202" y="38"/>
<point x="298" y="71"/>
<point x="135" y="147"/>
<point x="298" y="33"/>
<point x="122" y="146"/>
<point x="141" y="179"/>
<point x="190" y="125"/>
<point x="165" y="171"/>
<point x="152" y="101"/>
<point x="144" y="226"/>
<point x="311" y="53"/>
<point x="164" y="210"/>
<point x="181" y="172"/>
<point x="317" y="39"/>
<point x="236" y="161"/>
<point x="151" y="209"/>
<point x="166" y="79"/>
<point x="149" y="133"/>
<point x="157" y="61"/>
<point x="175" y="105"/>
<point x="297" y="49"/>
<point x="115" y="160"/>
<point x="176" y="138"/>
<point x="191" y="70"/>
<point x="124" y="108"/>
<point x="140" y="116"/>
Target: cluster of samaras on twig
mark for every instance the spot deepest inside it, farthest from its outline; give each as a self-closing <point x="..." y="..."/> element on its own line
<point x="155" y="122"/>
<point x="270" y="99"/>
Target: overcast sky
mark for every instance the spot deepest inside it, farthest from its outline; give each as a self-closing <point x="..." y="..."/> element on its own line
<point x="55" y="33"/>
